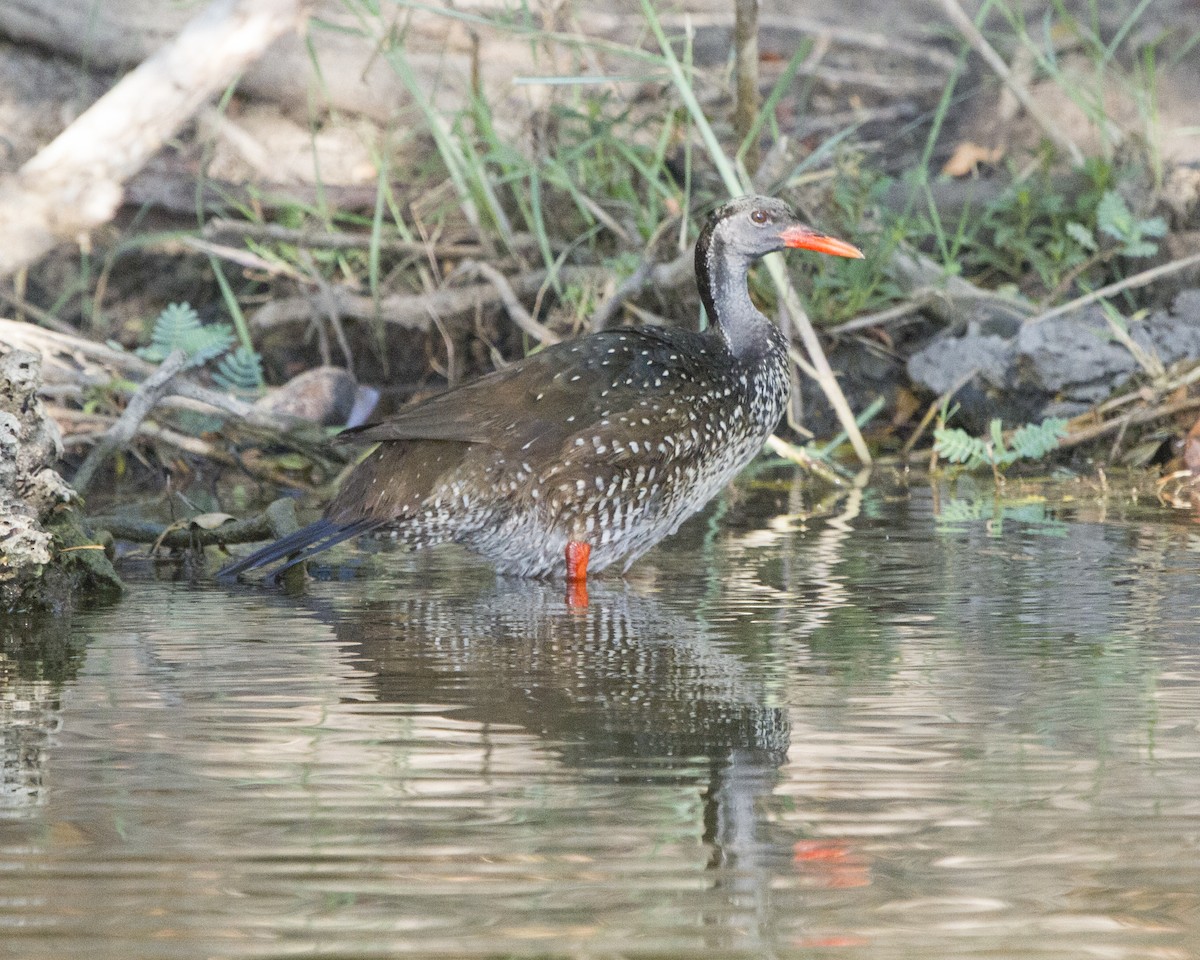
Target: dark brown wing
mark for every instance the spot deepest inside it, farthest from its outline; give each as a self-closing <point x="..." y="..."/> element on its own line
<point x="538" y="402"/>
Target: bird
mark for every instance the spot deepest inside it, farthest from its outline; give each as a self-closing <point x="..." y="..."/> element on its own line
<point x="588" y="452"/>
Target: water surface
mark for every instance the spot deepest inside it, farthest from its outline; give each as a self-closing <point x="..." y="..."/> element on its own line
<point x="896" y="724"/>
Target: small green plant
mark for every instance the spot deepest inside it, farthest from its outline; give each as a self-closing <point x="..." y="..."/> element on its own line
<point x="1114" y="217"/>
<point x="240" y="371"/>
<point x="178" y="327"/>
<point x="1029" y="442"/>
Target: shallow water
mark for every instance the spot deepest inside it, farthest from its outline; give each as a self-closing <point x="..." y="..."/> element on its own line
<point x="908" y="726"/>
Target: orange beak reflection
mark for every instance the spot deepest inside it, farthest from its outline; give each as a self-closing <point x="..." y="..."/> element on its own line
<point x="807" y="239"/>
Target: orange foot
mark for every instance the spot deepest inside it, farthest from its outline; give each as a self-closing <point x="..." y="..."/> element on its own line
<point x="578" y="553"/>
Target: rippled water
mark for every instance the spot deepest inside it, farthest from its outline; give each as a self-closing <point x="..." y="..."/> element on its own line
<point x="898" y="723"/>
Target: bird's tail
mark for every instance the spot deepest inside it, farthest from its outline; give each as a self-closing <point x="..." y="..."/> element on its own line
<point x="297" y="547"/>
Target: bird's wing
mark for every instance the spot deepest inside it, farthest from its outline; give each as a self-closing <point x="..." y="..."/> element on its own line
<point x="540" y="400"/>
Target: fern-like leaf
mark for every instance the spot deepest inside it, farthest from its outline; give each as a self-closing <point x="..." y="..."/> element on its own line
<point x="178" y="327"/>
<point x="240" y="370"/>
<point x="958" y="446"/>
<point x="1034" y="441"/>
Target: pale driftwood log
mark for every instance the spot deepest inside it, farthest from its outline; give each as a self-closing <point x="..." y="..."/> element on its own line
<point x="75" y="183"/>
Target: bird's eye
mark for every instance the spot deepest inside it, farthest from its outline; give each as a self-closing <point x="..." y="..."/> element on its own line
<point x="760" y="216"/>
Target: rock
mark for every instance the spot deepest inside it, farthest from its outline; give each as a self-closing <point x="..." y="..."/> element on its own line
<point x="1062" y="366"/>
<point x="329" y="396"/>
<point x="945" y="362"/>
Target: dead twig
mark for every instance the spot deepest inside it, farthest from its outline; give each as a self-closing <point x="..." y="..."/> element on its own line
<point x="919" y="300"/>
<point x="413" y="311"/>
<point x="43" y="317"/>
<point x="51" y="343"/>
<point x="512" y="306"/>
<point x="664" y="276"/>
<point x="198" y="447"/>
<point x="220" y="229"/>
<point x="791" y="23"/>
<point x="631" y="286"/>
<point x="1086" y="434"/>
<point x="931" y="411"/>
<point x="139" y="406"/>
<point x="243" y="258"/>
<point x="1129" y="283"/>
<point x="802" y="458"/>
<point x="1053" y="130"/>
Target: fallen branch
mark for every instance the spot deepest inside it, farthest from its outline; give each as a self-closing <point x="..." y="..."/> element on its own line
<point x="415" y="311"/>
<point x="1085" y="434"/>
<point x="50" y="343"/>
<point x="278" y="520"/>
<point x="75" y="183"/>
<point x="919" y="299"/>
<point x="221" y="229"/>
<point x="120" y="433"/>
<point x="1129" y="283"/>
<point x="196" y="446"/>
<point x="512" y="306"/>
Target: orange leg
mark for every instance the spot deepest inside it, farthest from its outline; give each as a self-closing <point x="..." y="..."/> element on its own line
<point x="578" y="553"/>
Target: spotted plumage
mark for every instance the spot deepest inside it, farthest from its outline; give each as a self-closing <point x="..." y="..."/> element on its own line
<point x="611" y="441"/>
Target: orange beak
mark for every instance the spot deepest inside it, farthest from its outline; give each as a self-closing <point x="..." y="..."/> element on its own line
<point x="807" y="239"/>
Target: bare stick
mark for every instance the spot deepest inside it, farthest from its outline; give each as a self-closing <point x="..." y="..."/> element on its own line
<point x="745" y="52"/>
<point x="1129" y="283"/>
<point x="1134" y="417"/>
<point x="51" y="342"/>
<point x="1054" y="131"/>
<point x="197" y="447"/>
<point x="515" y="309"/>
<point x="139" y="406"/>
<point x="338" y="240"/>
<point x="919" y="299"/>
<point x="413" y="311"/>
<point x="75" y="183"/>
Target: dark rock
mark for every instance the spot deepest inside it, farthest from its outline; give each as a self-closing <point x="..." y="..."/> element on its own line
<point x="1062" y="366"/>
<point x="329" y="396"/>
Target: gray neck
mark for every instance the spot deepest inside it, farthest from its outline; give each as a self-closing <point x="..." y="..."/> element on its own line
<point x="723" y="274"/>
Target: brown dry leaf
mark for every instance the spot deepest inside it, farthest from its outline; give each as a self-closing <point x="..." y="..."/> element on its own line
<point x="907" y="407"/>
<point x="968" y="156"/>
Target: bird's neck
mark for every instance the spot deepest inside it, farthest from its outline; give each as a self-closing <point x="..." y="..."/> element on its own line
<point x="722" y="275"/>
